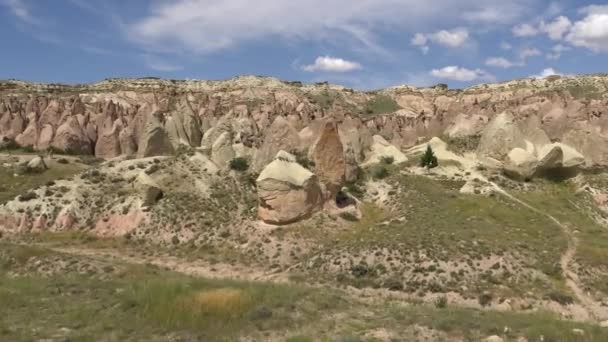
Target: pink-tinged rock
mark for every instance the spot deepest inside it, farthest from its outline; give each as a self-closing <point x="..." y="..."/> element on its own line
<point x="71" y="137"/>
<point x="40" y="224"/>
<point x="45" y="137"/>
<point x="108" y="142"/>
<point x="29" y="137"/>
<point x="116" y="225"/>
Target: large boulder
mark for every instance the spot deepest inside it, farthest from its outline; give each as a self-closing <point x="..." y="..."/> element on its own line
<point x="500" y="137"/>
<point x="328" y="156"/>
<point x="37" y="164"/>
<point x="154" y="140"/>
<point x="279" y="136"/>
<point x="558" y="155"/>
<point x="381" y="149"/>
<point x="520" y="164"/>
<point x="287" y="191"/>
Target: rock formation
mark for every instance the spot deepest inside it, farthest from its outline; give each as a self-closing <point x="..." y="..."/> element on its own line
<point x="287" y="191"/>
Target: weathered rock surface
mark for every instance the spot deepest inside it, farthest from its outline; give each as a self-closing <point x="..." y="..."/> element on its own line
<point x="521" y="164"/>
<point x="328" y="156"/>
<point x="499" y="137"/>
<point x="382" y="149"/>
<point x="287" y="191"/>
<point x="543" y="110"/>
<point x="155" y="140"/>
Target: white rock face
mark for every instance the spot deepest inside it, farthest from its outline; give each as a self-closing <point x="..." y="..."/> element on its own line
<point x="287" y="191"/>
<point x="221" y="151"/>
<point x="499" y="137"/>
<point x="521" y="163"/>
<point x="382" y="148"/>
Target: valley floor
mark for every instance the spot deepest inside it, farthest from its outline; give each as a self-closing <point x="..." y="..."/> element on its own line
<point x="425" y="262"/>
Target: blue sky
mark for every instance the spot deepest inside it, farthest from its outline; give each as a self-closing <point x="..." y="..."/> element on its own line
<point x="365" y="44"/>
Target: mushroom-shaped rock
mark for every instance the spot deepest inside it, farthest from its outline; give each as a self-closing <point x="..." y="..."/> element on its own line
<point x="382" y="148"/>
<point x="560" y="155"/>
<point x="520" y="164"/>
<point x="287" y="191"/>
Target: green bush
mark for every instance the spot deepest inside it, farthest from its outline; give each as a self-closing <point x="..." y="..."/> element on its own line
<point x="349" y="217"/>
<point x="441" y="302"/>
<point x="302" y="159"/>
<point x="428" y="159"/>
<point x="387" y="160"/>
<point x="381" y="104"/>
<point x="239" y="164"/>
<point x="380" y="172"/>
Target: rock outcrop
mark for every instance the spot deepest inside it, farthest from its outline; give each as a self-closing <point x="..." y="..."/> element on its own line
<point x="383" y="149"/>
<point x="499" y="137"/>
<point x="155" y="140"/>
<point x="328" y="156"/>
<point x="281" y="135"/>
<point x="262" y="115"/>
<point x="287" y="191"/>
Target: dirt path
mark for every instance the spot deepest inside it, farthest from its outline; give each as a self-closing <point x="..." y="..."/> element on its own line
<point x="196" y="268"/>
<point x="594" y="309"/>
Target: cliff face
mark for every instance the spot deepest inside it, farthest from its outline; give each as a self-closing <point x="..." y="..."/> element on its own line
<point x="153" y="116"/>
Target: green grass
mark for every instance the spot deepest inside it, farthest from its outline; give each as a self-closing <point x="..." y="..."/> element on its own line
<point x="11" y="185"/>
<point x="140" y="302"/>
<point x="432" y="217"/>
<point x="381" y="104"/>
<point x="574" y="210"/>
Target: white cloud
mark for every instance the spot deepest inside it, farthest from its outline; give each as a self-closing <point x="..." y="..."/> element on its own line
<point x="206" y="26"/>
<point x="557" y="51"/>
<point x="557" y="28"/>
<point x="529" y="52"/>
<point x="592" y="31"/>
<point x="506" y="46"/>
<point x="501" y="62"/>
<point x="156" y="63"/>
<point x="20" y="10"/>
<point x="524" y="30"/>
<point x="546" y="73"/>
<point x="456" y="73"/>
<point x="331" y="64"/>
<point x="453" y="38"/>
<point x="450" y="38"/>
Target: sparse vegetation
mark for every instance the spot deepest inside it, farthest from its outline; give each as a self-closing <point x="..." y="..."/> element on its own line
<point x="239" y="164"/>
<point x="388" y="160"/>
<point x="380" y="104"/>
<point x="428" y="159"/>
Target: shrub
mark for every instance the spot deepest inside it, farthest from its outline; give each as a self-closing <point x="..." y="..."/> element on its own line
<point x="239" y="164"/>
<point x="428" y="159"/>
<point x="349" y="217"/>
<point x="302" y="159"/>
<point x="441" y="302"/>
<point x="485" y="299"/>
<point x="380" y="172"/>
<point x="28" y="196"/>
<point x="387" y="160"/>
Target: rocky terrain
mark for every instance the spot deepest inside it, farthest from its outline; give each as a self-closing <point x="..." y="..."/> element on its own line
<point x="315" y="192"/>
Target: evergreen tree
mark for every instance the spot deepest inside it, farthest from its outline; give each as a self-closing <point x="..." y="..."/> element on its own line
<point x="428" y="159"/>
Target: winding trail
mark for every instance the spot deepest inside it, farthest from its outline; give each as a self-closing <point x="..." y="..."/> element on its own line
<point x="593" y="308"/>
